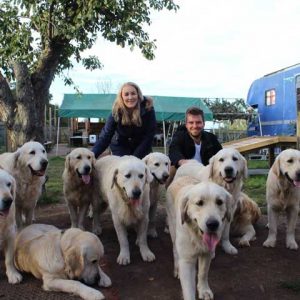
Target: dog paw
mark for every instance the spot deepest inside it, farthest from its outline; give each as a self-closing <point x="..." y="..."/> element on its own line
<point x="147" y="255"/>
<point x="93" y="294"/>
<point x="14" y="277"/>
<point x="205" y="294"/>
<point x="123" y="259"/>
<point x="229" y="249"/>
<point x="292" y="245"/>
<point x="152" y="233"/>
<point x="104" y="281"/>
<point x="269" y="243"/>
<point x="244" y="243"/>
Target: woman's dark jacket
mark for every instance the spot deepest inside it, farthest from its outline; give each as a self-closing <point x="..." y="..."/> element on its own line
<point x="128" y="140"/>
<point x="183" y="146"/>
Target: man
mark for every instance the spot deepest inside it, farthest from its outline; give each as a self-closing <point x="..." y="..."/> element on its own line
<point x="192" y="142"/>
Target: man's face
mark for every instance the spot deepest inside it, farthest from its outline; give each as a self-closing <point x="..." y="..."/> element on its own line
<point x="194" y="124"/>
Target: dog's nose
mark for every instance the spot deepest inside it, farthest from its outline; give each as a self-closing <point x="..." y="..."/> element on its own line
<point x="136" y="193"/>
<point x="298" y="175"/>
<point x="165" y="176"/>
<point x="212" y="224"/>
<point x="87" y="169"/>
<point x="228" y="171"/>
<point x="44" y="164"/>
<point x="7" y="201"/>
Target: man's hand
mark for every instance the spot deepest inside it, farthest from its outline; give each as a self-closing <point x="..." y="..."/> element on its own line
<point x="182" y="161"/>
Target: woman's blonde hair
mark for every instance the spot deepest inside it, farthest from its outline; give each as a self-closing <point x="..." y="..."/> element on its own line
<point x="120" y="112"/>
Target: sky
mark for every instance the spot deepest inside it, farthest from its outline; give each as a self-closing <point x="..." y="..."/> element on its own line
<point x="213" y="48"/>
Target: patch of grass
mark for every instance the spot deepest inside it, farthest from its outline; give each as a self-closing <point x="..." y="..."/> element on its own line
<point x="291" y="285"/>
<point x="258" y="164"/>
<point x="255" y="187"/>
<point x="54" y="185"/>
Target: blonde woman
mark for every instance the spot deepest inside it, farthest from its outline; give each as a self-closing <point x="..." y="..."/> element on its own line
<point x="130" y="128"/>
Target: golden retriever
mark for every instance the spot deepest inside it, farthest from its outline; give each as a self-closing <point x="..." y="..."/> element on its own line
<point x="245" y="216"/>
<point x="62" y="259"/>
<point x="80" y="184"/>
<point x="124" y="185"/>
<point x="28" y="166"/>
<point x="7" y="224"/>
<point x="196" y="214"/>
<point x="159" y="166"/>
<point x="283" y="194"/>
<point x="227" y="168"/>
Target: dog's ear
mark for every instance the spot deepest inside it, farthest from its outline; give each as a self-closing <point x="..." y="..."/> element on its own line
<point x="245" y="167"/>
<point x="229" y="206"/>
<point x="114" y="179"/>
<point x="276" y="167"/>
<point x="211" y="167"/>
<point x="93" y="160"/>
<point x="74" y="262"/>
<point x="183" y="210"/>
<point x="149" y="176"/>
<point x="145" y="159"/>
<point x="13" y="187"/>
<point x="67" y="163"/>
<point x="16" y="158"/>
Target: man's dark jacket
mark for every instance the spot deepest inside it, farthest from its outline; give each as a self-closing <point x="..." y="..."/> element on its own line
<point x="183" y="146"/>
<point x="128" y="140"/>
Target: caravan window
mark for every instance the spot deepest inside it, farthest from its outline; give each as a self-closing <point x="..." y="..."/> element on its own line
<point x="270" y="96"/>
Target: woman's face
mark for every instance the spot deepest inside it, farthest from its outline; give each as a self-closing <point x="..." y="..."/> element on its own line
<point x="130" y="96"/>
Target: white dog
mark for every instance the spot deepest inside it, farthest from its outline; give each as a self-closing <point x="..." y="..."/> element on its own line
<point x="227" y="168"/>
<point x="7" y="224"/>
<point x="124" y="185"/>
<point x="159" y="166"/>
<point x="196" y="214"/>
<point x="28" y="166"/>
<point x="62" y="259"/>
<point x="80" y="184"/>
<point x="283" y="194"/>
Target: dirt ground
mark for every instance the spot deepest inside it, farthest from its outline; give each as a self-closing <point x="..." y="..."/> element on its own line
<point x="255" y="273"/>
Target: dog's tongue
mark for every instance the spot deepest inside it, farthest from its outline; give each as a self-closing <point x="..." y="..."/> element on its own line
<point x="296" y="183"/>
<point x="134" y="201"/>
<point x="86" y="179"/>
<point x="4" y="213"/>
<point x="211" y="240"/>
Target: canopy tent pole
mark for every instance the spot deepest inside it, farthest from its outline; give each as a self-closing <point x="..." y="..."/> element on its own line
<point x="165" y="142"/>
<point x="57" y="135"/>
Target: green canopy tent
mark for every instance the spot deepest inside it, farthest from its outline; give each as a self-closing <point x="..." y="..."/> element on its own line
<point x="99" y="106"/>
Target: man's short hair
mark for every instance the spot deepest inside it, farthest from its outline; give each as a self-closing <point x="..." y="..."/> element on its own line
<point x="195" y="111"/>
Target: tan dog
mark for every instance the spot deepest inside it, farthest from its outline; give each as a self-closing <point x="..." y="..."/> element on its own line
<point x="245" y="216"/>
<point x="80" y="184"/>
<point x="124" y="185"/>
<point x="196" y="214"/>
<point x="28" y="166"/>
<point x="159" y="166"/>
<point x="227" y="168"/>
<point x="7" y="224"/>
<point x="283" y="194"/>
<point x="60" y="258"/>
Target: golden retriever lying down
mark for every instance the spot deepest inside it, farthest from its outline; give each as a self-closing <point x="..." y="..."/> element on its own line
<point x="227" y="168"/>
<point x="196" y="215"/>
<point x="80" y="184"/>
<point x="283" y="194"/>
<point x="159" y="166"/>
<point x="7" y="224"/>
<point x="124" y="185"/>
<point x="62" y="258"/>
<point x="245" y="216"/>
<point x="28" y="166"/>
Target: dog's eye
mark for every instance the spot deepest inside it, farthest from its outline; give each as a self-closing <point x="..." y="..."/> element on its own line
<point x="32" y="152"/>
<point x="44" y="151"/>
<point x="141" y="176"/>
<point x="234" y="158"/>
<point x="89" y="157"/>
<point x="166" y="164"/>
<point x="200" y="203"/>
<point x="219" y="202"/>
<point x="221" y="159"/>
<point x="8" y="184"/>
<point x="94" y="261"/>
<point x="128" y="175"/>
<point x="156" y="164"/>
<point x="78" y="157"/>
<point x="290" y="161"/>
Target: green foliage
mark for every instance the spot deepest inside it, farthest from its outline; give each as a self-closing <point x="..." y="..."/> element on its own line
<point x="32" y="30"/>
<point x="291" y="285"/>
<point x="54" y="185"/>
<point x="258" y="164"/>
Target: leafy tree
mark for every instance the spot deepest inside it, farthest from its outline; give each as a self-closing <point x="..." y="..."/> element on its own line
<point x="40" y="39"/>
<point x="223" y="109"/>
